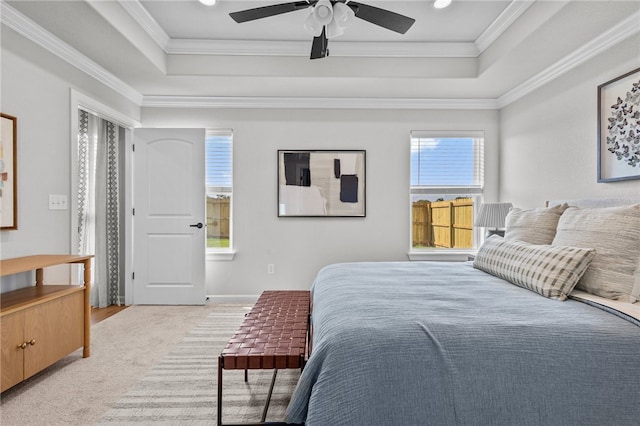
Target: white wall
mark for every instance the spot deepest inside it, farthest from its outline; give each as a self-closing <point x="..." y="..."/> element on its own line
<point x="299" y="247"/>
<point x="540" y="147"/>
<point x="35" y="88"/>
<point x="548" y="139"/>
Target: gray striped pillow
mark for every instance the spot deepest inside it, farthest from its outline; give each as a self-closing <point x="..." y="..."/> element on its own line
<point x="535" y="226"/>
<point x="614" y="232"/>
<point x="552" y="271"/>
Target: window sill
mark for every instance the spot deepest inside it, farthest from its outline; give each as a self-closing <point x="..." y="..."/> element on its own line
<point x="441" y="255"/>
<point x="220" y="256"/>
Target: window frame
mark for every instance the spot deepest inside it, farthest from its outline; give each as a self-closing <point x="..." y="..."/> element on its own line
<point x="474" y="191"/>
<point x="222" y="253"/>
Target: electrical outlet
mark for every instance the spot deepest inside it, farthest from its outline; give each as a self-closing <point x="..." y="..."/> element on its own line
<point x="271" y="268"/>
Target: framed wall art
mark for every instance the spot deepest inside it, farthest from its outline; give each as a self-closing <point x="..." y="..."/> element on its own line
<point x="619" y="128"/>
<point x="8" y="176"/>
<point x="320" y="183"/>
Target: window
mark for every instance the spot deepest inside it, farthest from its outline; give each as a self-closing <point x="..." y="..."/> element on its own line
<point x="447" y="179"/>
<point x="219" y="186"/>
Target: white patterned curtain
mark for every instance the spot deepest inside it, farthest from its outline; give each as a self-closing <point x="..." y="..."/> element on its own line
<point x="99" y="204"/>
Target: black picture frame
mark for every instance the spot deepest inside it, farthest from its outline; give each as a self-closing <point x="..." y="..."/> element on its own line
<point x="321" y="183"/>
<point x="619" y="128"/>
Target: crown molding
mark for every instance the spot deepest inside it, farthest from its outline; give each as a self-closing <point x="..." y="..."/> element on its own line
<point x="618" y="33"/>
<point x="502" y="22"/>
<point x="34" y="32"/>
<point x="404" y="49"/>
<point x="146" y="21"/>
<point x="336" y="47"/>
<point x="314" y="103"/>
<point x="237" y="47"/>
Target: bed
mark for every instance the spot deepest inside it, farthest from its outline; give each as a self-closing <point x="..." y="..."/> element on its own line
<point x="448" y="343"/>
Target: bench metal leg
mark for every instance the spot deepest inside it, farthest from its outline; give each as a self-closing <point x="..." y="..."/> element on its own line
<point x="265" y="410"/>
<point x="220" y="361"/>
<point x="266" y="405"/>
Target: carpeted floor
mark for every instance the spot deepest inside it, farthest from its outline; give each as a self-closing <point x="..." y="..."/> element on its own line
<point x="148" y="368"/>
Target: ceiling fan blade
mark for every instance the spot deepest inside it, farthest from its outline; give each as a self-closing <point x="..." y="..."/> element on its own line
<point x="382" y="17"/>
<point x="320" y="46"/>
<point x="266" y="11"/>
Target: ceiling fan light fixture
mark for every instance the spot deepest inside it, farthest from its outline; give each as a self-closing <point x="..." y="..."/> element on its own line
<point x="323" y="12"/>
<point x="312" y="26"/>
<point x="334" y="30"/>
<point x="441" y="4"/>
<point x="343" y="14"/>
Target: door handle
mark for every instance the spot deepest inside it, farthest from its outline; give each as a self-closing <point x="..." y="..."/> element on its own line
<point x="198" y="225"/>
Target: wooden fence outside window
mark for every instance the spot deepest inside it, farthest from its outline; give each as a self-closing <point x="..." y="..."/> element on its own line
<point x="446" y="224"/>
<point x="218" y="217"/>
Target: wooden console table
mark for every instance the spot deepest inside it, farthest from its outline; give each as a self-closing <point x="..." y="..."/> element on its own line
<point x="41" y="324"/>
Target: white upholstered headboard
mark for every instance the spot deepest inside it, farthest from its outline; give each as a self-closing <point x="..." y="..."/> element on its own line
<point x="586" y="203"/>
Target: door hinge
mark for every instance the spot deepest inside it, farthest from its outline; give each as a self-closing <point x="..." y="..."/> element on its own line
<point x="133" y="147"/>
<point x="133" y="212"/>
<point x="133" y="275"/>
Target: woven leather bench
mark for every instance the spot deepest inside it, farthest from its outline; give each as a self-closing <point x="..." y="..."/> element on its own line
<point x="273" y="335"/>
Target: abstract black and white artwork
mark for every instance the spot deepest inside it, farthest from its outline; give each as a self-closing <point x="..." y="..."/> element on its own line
<point x="619" y="128"/>
<point x="321" y="183"/>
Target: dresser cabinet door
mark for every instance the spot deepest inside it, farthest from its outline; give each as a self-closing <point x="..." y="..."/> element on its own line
<point x="12" y="336"/>
<point x="53" y="330"/>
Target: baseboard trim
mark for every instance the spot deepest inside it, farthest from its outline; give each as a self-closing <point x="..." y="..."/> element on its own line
<point x="233" y="298"/>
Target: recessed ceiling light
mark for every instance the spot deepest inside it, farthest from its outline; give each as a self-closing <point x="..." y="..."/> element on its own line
<point x="438" y="4"/>
<point x="208" y="2"/>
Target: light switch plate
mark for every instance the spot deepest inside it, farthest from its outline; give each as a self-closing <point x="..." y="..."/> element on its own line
<point x="57" y="202"/>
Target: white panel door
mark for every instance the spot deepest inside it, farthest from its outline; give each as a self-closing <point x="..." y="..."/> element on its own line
<point x="169" y="203"/>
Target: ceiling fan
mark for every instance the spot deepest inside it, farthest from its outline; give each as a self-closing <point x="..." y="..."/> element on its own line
<point x="329" y="18"/>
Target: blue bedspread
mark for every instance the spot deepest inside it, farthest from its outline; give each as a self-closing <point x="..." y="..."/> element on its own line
<point x="437" y="343"/>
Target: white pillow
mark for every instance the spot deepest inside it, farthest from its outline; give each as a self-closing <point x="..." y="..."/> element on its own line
<point x="551" y="271"/>
<point x="535" y="226"/>
<point x="615" y="234"/>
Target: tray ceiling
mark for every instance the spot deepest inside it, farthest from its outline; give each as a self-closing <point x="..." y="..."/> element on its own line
<point x="475" y="52"/>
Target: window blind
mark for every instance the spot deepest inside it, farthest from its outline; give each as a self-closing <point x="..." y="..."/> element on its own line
<point x="441" y="163"/>
<point x="219" y="161"/>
